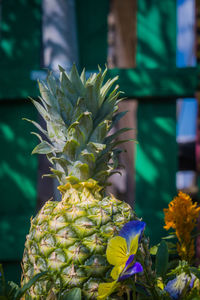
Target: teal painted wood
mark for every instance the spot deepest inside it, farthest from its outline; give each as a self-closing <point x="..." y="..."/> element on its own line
<point x="20" y="54"/>
<point x="156" y="32"/>
<point x="12" y="271"/>
<point x="92" y="33"/>
<point x="156" y="164"/>
<point x="17" y="85"/>
<point x="18" y="177"/>
<point x="137" y="83"/>
<point x="158" y="83"/>
<point x="156" y="157"/>
<point x="19" y="47"/>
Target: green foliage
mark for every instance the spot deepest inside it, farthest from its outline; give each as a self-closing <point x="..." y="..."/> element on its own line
<point x="79" y="115"/>
<point x="162" y="257"/>
<point x="74" y="294"/>
<point x="11" y="291"/>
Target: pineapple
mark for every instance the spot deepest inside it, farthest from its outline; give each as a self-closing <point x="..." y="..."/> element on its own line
<point x="68" y="239"/>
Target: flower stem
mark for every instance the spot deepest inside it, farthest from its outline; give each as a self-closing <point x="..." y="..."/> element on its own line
<point x="151" y="286"/>
<point x="134" y="291"/>
<point x="128" y="294"/>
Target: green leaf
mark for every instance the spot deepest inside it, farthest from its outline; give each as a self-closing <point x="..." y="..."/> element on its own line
<point x="100" y="132"/>
<point x="71" y="148"/>
<point x="113" y="97"/>
<point x="169" y="237"/>
<point x="106" y="111"/>
<point x="78" y="109"/>
<point x="67" y="86"/>
<point x="46" y="95"/>
<point x="117" y="117"/>
<point x="75" y="80"/>
<point x="12" y="289"/>
<point x="41" y="110"/>
<point x="66" y="109"/>
<point x="38" y="136"/>
<point x="116" y="134"/>
<point x="107" y="86"/>
<point x="80" y="170"/>
<point x="37" y="126"/>
<point x="162" y="258"/>
<point x="83" y="77"/>
<point x="74" y="294"/>
<point x="62" y="161"/>
<point x="52" y="84"/>
<point x="140" y="289"/>
<point x="92" y="100"/>
<point x="96" y="147"/>
<point x="58" y="173"/>
<point x="87" y="157"/>
<point x="56" y="130"/>
<point x="85" y="124"/>
<point x="154" y="249"/>
<point x="43" y="148"/>
<point x="115" y="157"/>
<point x="195" y="271"/>
<point x="28" y="285"/>
<point x="114" y="144"/>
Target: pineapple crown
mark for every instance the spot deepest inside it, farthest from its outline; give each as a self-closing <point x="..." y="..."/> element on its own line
<point x="79" y="115"/>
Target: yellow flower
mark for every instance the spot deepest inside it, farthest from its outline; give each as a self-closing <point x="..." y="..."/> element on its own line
<point x="120" y="253"/>
<point x="106" y="289"/>
<point x="160" y="283"/>
<point x="181" y="215"/>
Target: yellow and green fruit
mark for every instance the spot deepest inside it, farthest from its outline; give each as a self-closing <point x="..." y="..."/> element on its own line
<point x="69" y="238"/>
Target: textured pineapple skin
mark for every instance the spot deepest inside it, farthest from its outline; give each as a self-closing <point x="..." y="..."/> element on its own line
<point x="69" y="238"/>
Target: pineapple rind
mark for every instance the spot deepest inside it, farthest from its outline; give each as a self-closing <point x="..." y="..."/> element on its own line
<point x="69" y="238"/>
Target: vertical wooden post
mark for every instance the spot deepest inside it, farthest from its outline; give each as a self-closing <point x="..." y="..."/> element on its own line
<point x="156" y="159"/>
<point x="123" y="51"/>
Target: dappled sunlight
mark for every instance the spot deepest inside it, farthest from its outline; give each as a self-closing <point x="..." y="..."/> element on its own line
<point x="13" y="230"/>
<point x="27" y="188"/>
<point x="20" y="38"/>
<point x="155" y="162"/>
<point x="14" y="49"/>
<point x="152" y="50"/>
<point x="18" y="176"/>
<point x="7" y="132"/>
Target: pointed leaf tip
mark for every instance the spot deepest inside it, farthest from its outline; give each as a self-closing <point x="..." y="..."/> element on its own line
<point x="43" y="148"/>
<point x="61" y="69"/>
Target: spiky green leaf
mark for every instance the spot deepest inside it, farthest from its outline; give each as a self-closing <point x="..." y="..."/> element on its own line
<point x="79" y="114"/>
<point x="37" y="126"/>
<point x="43" y="148"/>
<point x="113" y="136"/>
<point x="28" y="285"/>
<point x="118" y="117"/>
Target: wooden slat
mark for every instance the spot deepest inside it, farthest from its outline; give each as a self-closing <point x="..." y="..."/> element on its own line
<point x="18" y="175"/>
<point x="135" y="83"/>
<point x="157" y="82"/>
<point x="156" y="155"/>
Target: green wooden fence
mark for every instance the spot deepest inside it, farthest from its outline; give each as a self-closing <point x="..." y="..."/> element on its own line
<point x="20" y="32"/>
